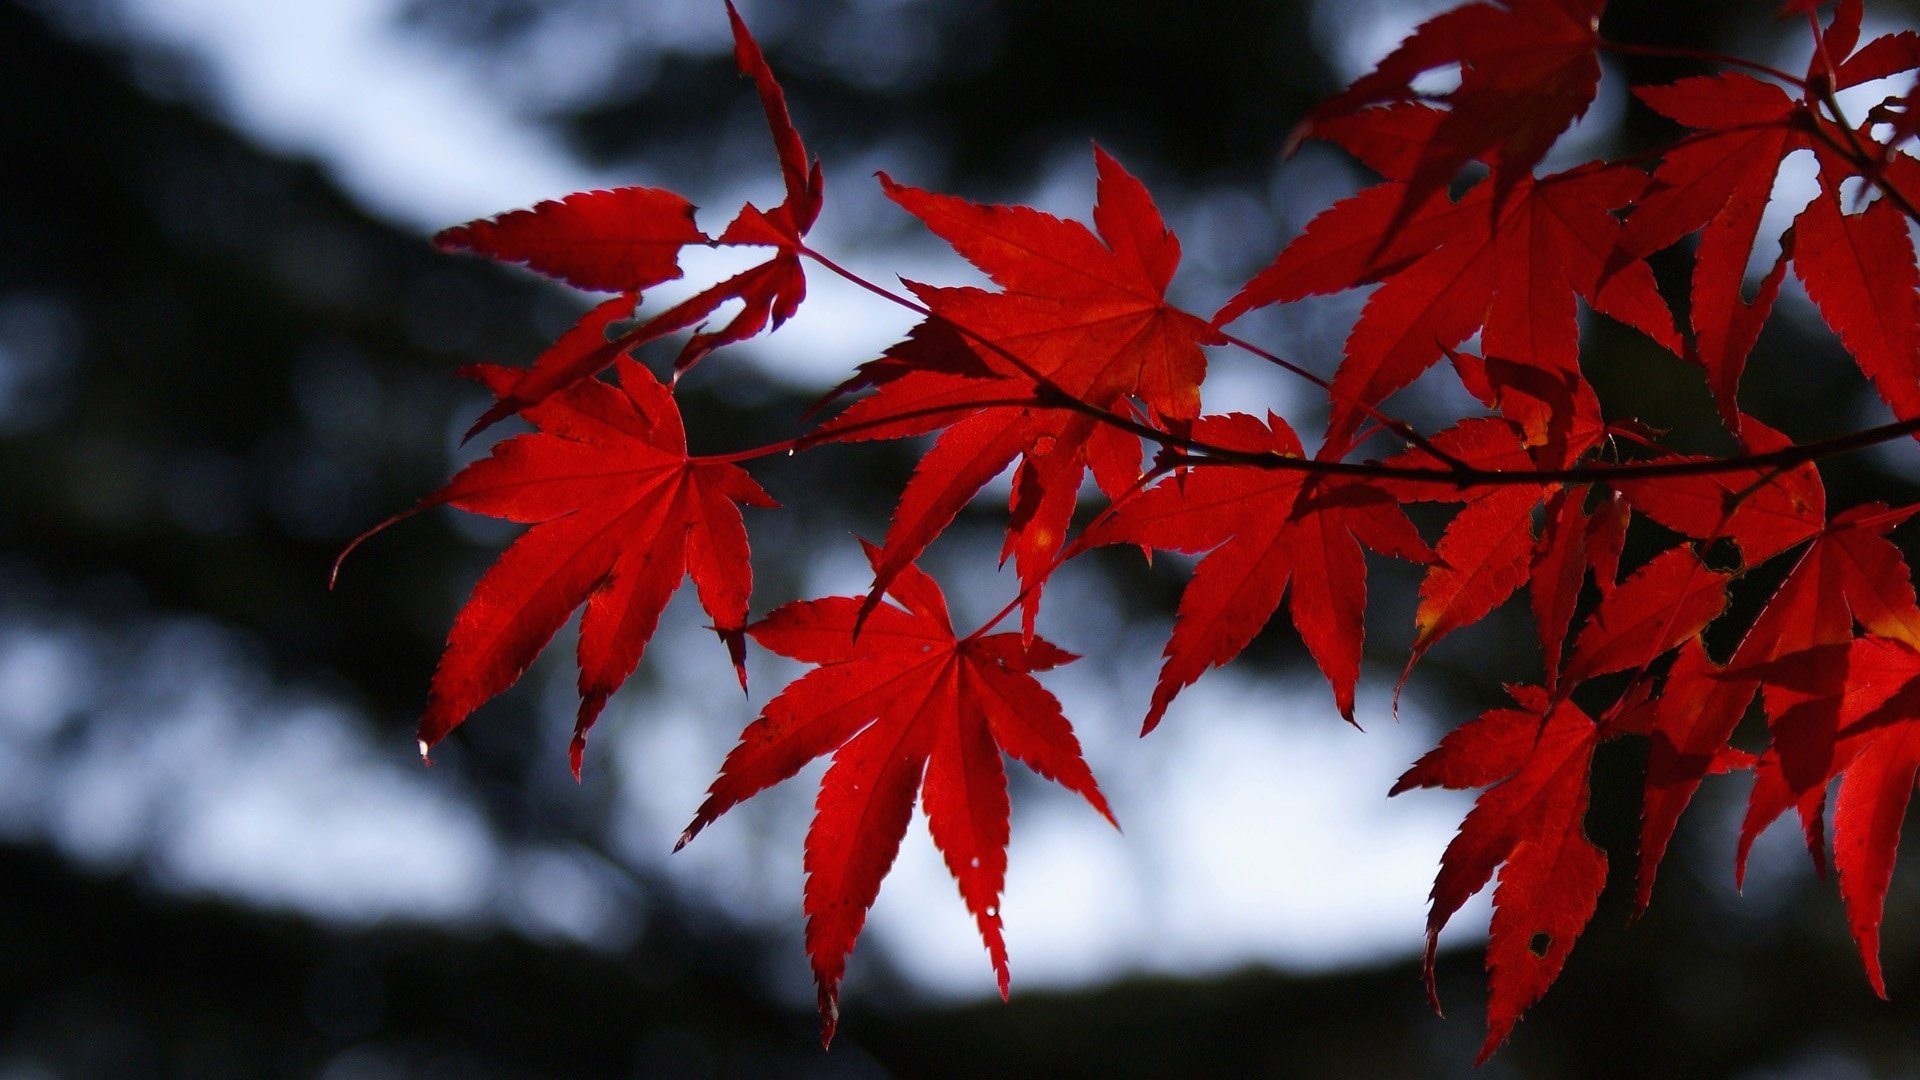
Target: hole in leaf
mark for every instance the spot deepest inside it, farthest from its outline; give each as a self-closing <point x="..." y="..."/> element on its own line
<point x="1722" y="555"/>
<point x="1539" y="943"/>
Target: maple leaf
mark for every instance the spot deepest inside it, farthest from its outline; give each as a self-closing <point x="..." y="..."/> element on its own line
<point x="1085" y="315"/>
<point x="1761" y="511"/>
<point x="1265" y="531"/>
<point x="1483" y="557"/>
<point x="1658" y="607"/>
<point x="1080" y="316"/>
<point x="1851" y="571"/>
<point x="1528" y="70"/>
<point x="1860" y="271"/>
<point x="1530" y="825"/>
<point x="1875" y="707"/>
<point x="1452" y="268"/>
<point x="903" y="706"/>
<point x="624" y="240"/>
<point x="620" y="514"/>
<point x="1558" y="566"/>
<point x="629" y="239"/>
<point x="1851" y="574"/>
<point x="1718" y="180"/>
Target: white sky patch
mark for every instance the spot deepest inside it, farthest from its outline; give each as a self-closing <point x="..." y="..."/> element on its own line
<point x="190" y="765"/>
<point x="1263" y="834"/>
<point x="307" y="815"/>
<point x="1355" y="34"/>
<point x="411" y="135"/>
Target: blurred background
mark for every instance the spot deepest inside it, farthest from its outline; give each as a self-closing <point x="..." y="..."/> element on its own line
<point x="226" y="348"/>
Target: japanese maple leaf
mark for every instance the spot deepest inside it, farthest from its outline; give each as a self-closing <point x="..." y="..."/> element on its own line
<point x="1658" y="607"/>
<point x="1876" y="756"/>
<point x="1528" y="69"/>
<point x="1453" y="268"/>
<point x="1530" y="826"/>
<point x="1085" y="315"/>
<point x="629" y="239"/>
<point x="623" y="240"/>
<point x="1850" y="573"/>
<point x="1718" y="180"/>
<point x="1265" y="531"/>
<point x="904" y="707"/>
<point x="620" y="514"/>
<point x="1762" y="511"/>
<point x="1078" y="314"/>
<point x="1860" y="271"/>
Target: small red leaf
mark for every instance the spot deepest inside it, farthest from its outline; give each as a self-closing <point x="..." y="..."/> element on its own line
<point x="624" y="240"/>
<point x="1860" y="270"/>
<point x="1529" y="824"/>
<point x="1661" y="605"/>
<point x="1762" y="511"/>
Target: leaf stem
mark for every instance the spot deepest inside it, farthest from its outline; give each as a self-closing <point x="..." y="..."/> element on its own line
<point x="1401" y="428"/>
<point x="1464" y="476"/>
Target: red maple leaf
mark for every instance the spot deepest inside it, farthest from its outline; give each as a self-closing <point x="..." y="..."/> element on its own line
<point x="1452" y="268"/>
<point x="1084" y="314"/>
<point x="1264" y="530"/>
<point x="904" y="707"/>
<point x="1659" y="606"/>
<point x="1861" y="272"/>
<point x="1529" y="825"/>
<point x="1761" y="511"/>
<point x="1875" y="752"/>
<point x="1079" y="316"/>
<point x="1528" y="69"/>
<point x="623" y="240"/>
<point x="629" y="239"/>
<point x="620" y="514"/>
<point x="1850" y="572"/>
<point x="1718" y="180"/>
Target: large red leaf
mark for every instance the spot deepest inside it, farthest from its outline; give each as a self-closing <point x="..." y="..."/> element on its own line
<point x="1849" y="573"/>
<point x="903" y="706"/>
<point x="1852" y="574"/>
<point x="620" y="514"/>
<point x="1078" y="313"/>
<point x="1876" y="754"/>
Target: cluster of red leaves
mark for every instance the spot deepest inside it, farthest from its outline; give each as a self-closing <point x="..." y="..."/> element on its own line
<point x="1075" y="363"/>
